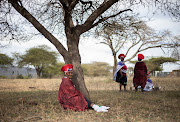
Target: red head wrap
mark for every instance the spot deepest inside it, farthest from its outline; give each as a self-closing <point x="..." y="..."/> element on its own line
<point x="121" y="55"/>
<point x="67" y="67"/>
<point x="140" y="56"/>
<point x="147" y="73"/>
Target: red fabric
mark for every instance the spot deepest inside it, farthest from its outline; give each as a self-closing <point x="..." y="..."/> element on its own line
<point x="66" y="67"/>
<point x="70" y="97"/>
<point x="121" y="55"/>
<point x="147" y="73"/>
<point x="140" y="56"/>
<point x="140" y="74"/>
<point x="124" y="69"/>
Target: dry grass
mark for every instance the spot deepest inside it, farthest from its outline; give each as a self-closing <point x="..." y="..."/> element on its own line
<point x="20" y="85"/>
<point x="16" y="96"/>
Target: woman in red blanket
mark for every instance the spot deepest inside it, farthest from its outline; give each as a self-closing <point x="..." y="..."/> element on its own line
<point x="70" y="98"/>
<point x="140" y="73"/>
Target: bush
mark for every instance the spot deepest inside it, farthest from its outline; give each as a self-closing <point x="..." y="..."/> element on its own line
<point x="97" y="69"/>
<point x="2" y="77"/>
<point x="19" y="76"/>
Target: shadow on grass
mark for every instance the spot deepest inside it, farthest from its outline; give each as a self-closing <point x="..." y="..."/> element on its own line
<point x="125" y="106"/>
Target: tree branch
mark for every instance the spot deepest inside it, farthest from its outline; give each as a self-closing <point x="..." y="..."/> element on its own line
<point x="134" y="53"/>
<point x="90" y="20"/>
<point x="39" y="27"/>
<point x="106" y="18"/>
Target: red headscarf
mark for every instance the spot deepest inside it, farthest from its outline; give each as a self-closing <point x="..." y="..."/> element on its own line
<point x="67" y="67"/>
<point x="140" y="56"/>
<point x="121" y="55"/>
<point x="147" y="73"/>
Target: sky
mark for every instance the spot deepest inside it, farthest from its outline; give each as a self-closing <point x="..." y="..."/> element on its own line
<point x="91" y="50"/>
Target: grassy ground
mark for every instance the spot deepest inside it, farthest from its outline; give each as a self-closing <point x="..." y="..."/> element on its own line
<point x="36" y="100"/>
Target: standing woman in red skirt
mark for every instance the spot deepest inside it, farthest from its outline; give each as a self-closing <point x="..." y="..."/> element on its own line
<point x="140" y="73"/>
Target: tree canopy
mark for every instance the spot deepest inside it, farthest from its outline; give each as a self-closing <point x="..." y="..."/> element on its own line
<point x="39" y="57"/>
<point x="131" y="36"/>
<point x="5" y="60"/>
<point x="53" y="70"/>
<point x="96" y="69"/>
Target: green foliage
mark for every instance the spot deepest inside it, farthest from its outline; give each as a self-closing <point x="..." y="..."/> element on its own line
<point x="162" y="60"/>
<point x="155" y="64"/>
<point x="96" y="69"/>
<point x="2" y="77"/>
<point x="52" y="70"/>
<point x="5" y="60"/>
<point x="39" y="57"/>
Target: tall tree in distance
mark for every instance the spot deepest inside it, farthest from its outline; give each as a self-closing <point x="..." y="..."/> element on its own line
<point x="40" y="57"/>
<point x="74" y="17"/>
<point x="131" y="36"/>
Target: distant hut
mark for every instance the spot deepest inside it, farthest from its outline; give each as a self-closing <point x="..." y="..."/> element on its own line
<point x="176" y="73"/>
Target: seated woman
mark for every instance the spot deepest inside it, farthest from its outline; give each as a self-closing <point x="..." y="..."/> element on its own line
<point x="70" y="98"/>
<point x="149" y="85"/>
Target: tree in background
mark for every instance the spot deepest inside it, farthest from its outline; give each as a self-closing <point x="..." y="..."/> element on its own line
<point x="39" y="57"/>
<point x="53" y="70"/>
<point x="131" y="36"/>
<point x="176" y="50"/>
<point x="96" y="69"/>
<point x="156" y="64"/>
<point x="5" y="60"/>
<point x="74" y="17"/>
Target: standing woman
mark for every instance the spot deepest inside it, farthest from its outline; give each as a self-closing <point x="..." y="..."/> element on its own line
<point x="140" y="73"/>
<point x="120" y="74"/>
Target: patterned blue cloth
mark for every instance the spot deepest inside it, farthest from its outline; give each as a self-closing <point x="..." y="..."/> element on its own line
<point x="149" y="80"/>
<point x="119" y="66"/>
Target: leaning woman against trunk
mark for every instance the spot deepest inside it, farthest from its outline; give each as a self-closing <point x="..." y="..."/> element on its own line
<point x="70" y="98"/>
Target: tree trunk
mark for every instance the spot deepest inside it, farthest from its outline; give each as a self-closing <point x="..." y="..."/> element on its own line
<point x="38" y="72"/>
<point x="78" y="79"/>
<point x="115" y="64"/>
<point x="74" y="58"/>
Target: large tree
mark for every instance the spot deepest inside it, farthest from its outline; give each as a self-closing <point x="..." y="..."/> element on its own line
<point x="40" y="57"/>
<point x="131" y="36"/>
<point x="76" y="17"/>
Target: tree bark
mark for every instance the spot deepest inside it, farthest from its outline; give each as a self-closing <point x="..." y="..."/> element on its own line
<point x="38" y="72"/>
<point x="75" y="59"/>
<point x="115" y="64"/>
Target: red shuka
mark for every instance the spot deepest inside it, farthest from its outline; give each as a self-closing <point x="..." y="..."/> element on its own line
<point x="70" y="97"/>
<point x="140" y="74"/>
